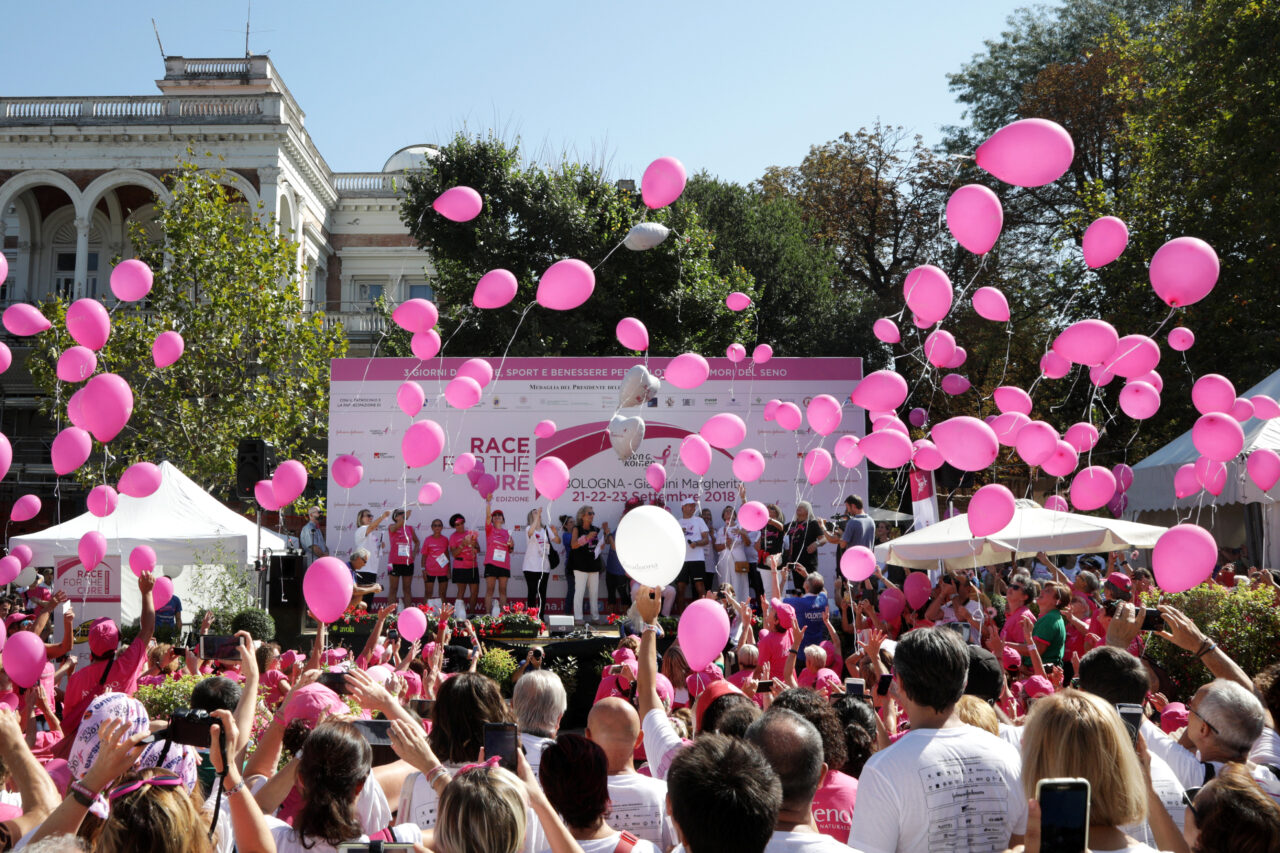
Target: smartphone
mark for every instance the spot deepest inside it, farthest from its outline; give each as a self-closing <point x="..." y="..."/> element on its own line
<point x="537" y="654"/>
<point x="882" y="688"/>
<point x="1132" y="716"/>
<point x="422" y="707"/>
<point x="219" y="647"/>
<point x="501" y="739"/>
<point x="378" y="734"/>
<point x="335" y="681"/>
<point x="765" y="686"/>
<point x="1064" y="815"/>
<point x="616" y="669"/>
<point x="384" y="846"/>
<point x="1152" y="620"/>
<point x="855" y="687"/>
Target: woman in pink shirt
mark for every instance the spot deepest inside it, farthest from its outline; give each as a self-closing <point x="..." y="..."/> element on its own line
<point x="497" y="556"/>
<point x="1019" y="595"/>
<point x="463" y="545"/>
<point x="435" y="562"/>
<point x="404" y="545"/>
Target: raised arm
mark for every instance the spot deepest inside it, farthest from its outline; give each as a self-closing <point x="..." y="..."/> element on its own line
<point x="242" y="726"/>
<point x="147" y="624"/>
<point x="648" y="606"/>
<point x="248" y="826"/>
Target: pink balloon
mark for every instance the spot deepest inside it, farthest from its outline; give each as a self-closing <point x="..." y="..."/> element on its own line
<point x="975" y="217"/>
<point x="1139" y="400"/>
<point x="886" y="449"/>
<point x="1211" y="475"/>
<point x="1242" y="410"/>
<point x="1063" y="461"/>
<point x="458" y="204"/>
<point x="416" y="316"/>
<point x="656" y="476"/>
<point x="918" y="417"/>
<point x="76" y="364"/>
<point x="824" y="414"/>
<point x="1218" y="436"/>
<point x="1009" y="398"/>
<point x="91" y="550"/>
<point x="6" y="357"/>
<point x="486" y="485"/>
<point x="687" y="371"/>
<point x="1183" y="558"/>
<point x="289" y="481"/>
<point x="495" y="289"/>
<point x="1054" y="366"/>
<point x="10" y="568"/>
<point x="880" y="391"/>
<point x="927" y="291"/>
<point x="1057" y="503"/>
<point x="1134" y="355"/>
<point x="695" y="453"/>
<point x="817" y="465"/>
<point x="545" y="429"/>
<point x="662" y="182"/>
<point x="1036" y="443"/>
<point x="22" y="554"/>
<point x="788" y="416"/>
<point x="1153" y="379"/>
<point x="737" y="301"/>
<point x="25" y="320"/>
<point x="917" y="589"/>
<point x="462" y="392"/>
<point x="1213" y="393"/>
<point x="990" y="510"/>
<point x="131" y="280"/>
<point x="735" y="352"/>
<point x="464" y="463"/>
<point x="6" y="453"/>
<point x="88" y="323"/>
<point x="1183" y="271"/>
<point x="70" y="450"/>
<point x="771" y="409"/>
<point x="990" y="304"/>
<point x="1087" y="342"/>
<point x="410" y="397"/>
<point x="478" y="369"/>
<point x="1104" y="241"/>
<point x="551" y="476"/>
<point x="939" y="347"/>
<point x="425" y="345"/>
<point x="632" y="334"/>
<point x="1264" y="468"/>
<point x="1181" y="339"/>
<point x="265" y="495"/>
<point x="958" y="359"/>
<point x="889" y="422"/>
<point x="167" y="348"/>
<point x="966" y="443"/>
<point x="892" y="603"/>
<point x="1185" y="482"/>
<point x="1082" y="436"/>
<point x="858" y="563"/>
<point x="847" y="452"/>
<point x="1099" y="376"/>
<point x="412" y="624"/>
<point x="565" y="285"/>
<point x="141" y="480"/>
<point x="955" y="384"/>
<point x="753" y="516"/>
<point x="477" y="469"/>
<point x="762" y="353"/>
<point x="24" y="658"/>
<point x="1263" y="407"/>
<point x="1124" y="477"/>
<point x="102" y="501"/>
<point x="1030" y="152"/>
<point x="429" y="493"/>
<point x="1116" y="506"/>
<point x="142" y="559"/>
<point x="25" y="508"/>
<point x="1092" y="487"/>
<point x="703" y="631"/>
<point x="106" y="406"/>
<point x="1007" y="427"/>
<point x="724" y="430"/>
<point x="327" y="588"/>
<point x="886" y="331"/>
<point x="422" y="443"/>
<point x="748" y="465"/>
<point x="347" y="471"/>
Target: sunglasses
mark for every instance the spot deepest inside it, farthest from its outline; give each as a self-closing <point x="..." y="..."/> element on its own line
<point x="1018" y="587"/>
<point x="1211" y="726"/>
<point x="437" y="524"/>
<point x="158" y="781"/>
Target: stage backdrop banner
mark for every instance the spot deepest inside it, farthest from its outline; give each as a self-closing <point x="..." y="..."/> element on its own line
<point x="580" y="395"/>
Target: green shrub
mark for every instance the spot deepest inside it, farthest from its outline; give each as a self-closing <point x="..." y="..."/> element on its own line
<point x="259" y="623"/>
<point x="498" y="664"/>
<point x="160" y="700"/>
<point x="1244" y="622"/>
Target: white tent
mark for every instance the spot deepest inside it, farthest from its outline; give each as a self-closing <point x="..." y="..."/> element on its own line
<point x="1033" y="529"/>
<point x="1227" y="516"/>
<point x="185" y="526"/>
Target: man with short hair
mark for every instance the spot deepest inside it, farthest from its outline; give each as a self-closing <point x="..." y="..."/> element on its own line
<point x="723" y="795"/>
<point x="858" y="530"/>
<point x="944" y="785"/>
<point x="539" y="702"/>
<point x="793" y="747"/>
<point x="366" y="582"/>
<point x="694" y="570"/>
<point x="638" y="804"/>
<point x="312" y="538"/>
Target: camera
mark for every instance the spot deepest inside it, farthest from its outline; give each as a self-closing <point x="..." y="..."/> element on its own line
<point x="190" y="728"/>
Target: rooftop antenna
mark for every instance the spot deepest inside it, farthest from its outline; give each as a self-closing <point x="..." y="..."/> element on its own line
<point x="163" y="55"/>
<point x="248" y="14"/>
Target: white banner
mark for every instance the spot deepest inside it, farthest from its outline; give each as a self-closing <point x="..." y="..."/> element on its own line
<point x="579" y="395"/>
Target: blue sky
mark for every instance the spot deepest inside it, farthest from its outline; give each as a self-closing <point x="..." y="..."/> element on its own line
<point x="730" y="88"/>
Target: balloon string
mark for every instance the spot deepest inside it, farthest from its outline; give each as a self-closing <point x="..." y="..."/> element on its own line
<point x="608" y="255"/>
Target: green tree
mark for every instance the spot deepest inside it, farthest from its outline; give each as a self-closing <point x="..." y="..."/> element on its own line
<point x="534" y="216"/>
<point x="255" y="363"/>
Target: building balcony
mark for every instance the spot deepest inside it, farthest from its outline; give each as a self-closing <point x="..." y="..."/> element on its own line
<point x="368" y="184"/>
<point x="144" y="110"/>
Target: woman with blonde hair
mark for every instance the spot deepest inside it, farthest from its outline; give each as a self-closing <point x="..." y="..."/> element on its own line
<point x="675" y="668"/>
<point x="486" y="809"/>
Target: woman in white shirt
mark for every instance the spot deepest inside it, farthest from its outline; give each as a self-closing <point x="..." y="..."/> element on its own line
<point x="369" y="537"/>
<point x="740" y="545"/>
<point x="537" y="559"/>
<point x="575" y="777"/>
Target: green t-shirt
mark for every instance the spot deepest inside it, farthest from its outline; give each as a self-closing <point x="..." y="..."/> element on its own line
<point x="1051" y="628"/>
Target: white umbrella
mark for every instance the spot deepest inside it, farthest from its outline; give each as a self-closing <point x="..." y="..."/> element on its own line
<point x="1032" y="530"/>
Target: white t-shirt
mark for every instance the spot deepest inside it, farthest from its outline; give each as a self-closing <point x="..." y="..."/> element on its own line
<point x="371" y="540"/>
<point x="287" y="841"/>
<point x="1266" y="749"/>
<point x="975" y="609"/>
<point x="638" y="804"/>
<point x="803" y="842"/>
<point x="729" y="533"/>
<point x="610" y="842"/>
<point x="1189" y="769"/>
<point x="418" y="801"/>
<point x="694" y="529"/>
<point x="534" y="745"/>
<point x="659" y="738"/>
<point x="957" y="788"/>
<point x="1170" y="792"/>
<point x="1011" y="735"/>
<point x="536" y="551"/>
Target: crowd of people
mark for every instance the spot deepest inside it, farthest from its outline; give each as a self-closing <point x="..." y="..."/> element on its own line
<point x="823" y="725"/>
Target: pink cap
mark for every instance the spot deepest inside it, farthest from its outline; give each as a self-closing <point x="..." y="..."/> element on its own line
<point x="1173" y="717"/>
<point x="1009" y="659"/>
<point x="311" y="702"/>
<point x="666" y="692"/>
<point x="786" y="613"/>
<point x="413" y="683"/>
<point x="1120" y="581"/>
<point x="332" y="656"/>
<point x="15" y="618"/>
<point x="104" y="637"/>
<point x="623" y="655"/>
<point x="1037" y="686"/>
<point x="288" y="659"/>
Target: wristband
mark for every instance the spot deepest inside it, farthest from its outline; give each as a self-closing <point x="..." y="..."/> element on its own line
<point x="440" y="770"/>
<point x="235" y="789"/>
<point x="649" y="626"/>
<point x="1211" y="647"/>
<point x="82" y="795"/>
<point x="793" y="651"/>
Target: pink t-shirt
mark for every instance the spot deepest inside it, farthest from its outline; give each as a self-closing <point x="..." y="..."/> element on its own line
<point x="82" y="685"/>
<point x="833" y="805"/>
<point x="433" y="548"/>
<point x="403" y="543"/>
<point x="497" y="546"/>
<point x="824" y="677"/>
<point x="1012" y="631"/>
<point x="611" y="685"/>
<point x="466" y="558"/>
<point x="773" y="647"/>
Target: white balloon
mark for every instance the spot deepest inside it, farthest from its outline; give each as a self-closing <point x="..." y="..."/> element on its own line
<point x="28" y="575"/>
<point x="650" y="545"/>
<point x="625" y="434"/>
<point x="645" y="235"/>
<point x="638" y="387"/>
